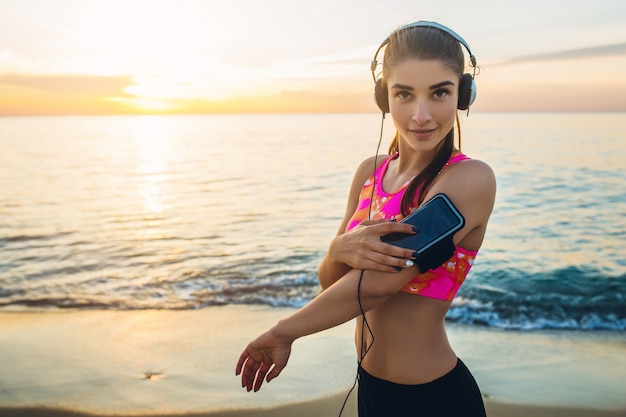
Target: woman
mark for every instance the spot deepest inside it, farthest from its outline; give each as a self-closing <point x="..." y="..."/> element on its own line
<point x="410" y="368"/>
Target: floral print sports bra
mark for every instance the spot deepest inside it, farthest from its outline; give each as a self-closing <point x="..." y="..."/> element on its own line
<point x="441" y="283"/>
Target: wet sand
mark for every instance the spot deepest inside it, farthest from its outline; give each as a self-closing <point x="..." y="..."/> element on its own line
<point x="177" y="363"/>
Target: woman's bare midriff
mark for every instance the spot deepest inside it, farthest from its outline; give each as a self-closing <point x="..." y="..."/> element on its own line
<point x="410" y="342"/>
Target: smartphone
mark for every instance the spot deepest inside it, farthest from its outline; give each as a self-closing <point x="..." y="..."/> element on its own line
<point x="435" y="220"/>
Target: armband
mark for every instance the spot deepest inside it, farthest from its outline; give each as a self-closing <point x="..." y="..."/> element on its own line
<point x="436" y="255"/>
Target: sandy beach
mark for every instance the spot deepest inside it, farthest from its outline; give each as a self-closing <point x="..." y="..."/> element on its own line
<point x="175" y="363"/>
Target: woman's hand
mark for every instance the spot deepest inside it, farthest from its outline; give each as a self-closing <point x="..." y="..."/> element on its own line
<point x="361" y="247"/>
<point x="267" y="355"/>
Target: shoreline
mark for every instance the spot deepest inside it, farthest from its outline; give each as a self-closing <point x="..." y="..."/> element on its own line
<point x="328" y="406"/>
<point x="181" y="363"/>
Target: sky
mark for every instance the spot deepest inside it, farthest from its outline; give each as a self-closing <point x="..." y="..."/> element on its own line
<point x="247" y="56"/>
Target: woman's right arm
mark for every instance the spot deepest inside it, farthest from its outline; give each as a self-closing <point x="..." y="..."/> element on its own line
<point x="361" y="247"/>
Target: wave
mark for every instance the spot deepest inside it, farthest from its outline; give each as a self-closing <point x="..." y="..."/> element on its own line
<point x="568" y="298"/>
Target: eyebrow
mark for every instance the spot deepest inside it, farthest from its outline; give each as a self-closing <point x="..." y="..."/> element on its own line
<point x="432" y="87"/>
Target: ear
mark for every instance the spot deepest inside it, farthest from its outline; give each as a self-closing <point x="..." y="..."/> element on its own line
<point x="467" y="92"/>
<point x="381" y="96"/>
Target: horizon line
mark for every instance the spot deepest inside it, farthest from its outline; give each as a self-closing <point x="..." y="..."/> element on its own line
<point x="287" y="113"/>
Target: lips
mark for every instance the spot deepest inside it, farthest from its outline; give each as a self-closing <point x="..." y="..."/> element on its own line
<point x="422" y="133"/>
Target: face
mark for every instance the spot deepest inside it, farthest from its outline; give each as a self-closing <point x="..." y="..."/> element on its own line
<point x="423" y="96"/>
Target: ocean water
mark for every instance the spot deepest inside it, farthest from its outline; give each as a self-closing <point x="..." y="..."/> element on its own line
<point x="183" y="212"/>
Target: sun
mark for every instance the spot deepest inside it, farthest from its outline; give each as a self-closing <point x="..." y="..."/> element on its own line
<point x="162" y="94"/>
<point x="147" y="105"/>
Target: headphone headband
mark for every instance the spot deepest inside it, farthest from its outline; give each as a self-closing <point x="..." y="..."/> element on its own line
<point x="424" y="23"/>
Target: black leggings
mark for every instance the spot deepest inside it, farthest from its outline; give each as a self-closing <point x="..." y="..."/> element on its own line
<point x="454" y="394"/>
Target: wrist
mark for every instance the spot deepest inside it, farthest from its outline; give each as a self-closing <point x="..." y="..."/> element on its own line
<point x="332" y="250"/>
<point x="283" y="332"/>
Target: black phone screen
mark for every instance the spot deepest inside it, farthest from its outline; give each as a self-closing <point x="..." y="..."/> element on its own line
<point x="435" y="220"/>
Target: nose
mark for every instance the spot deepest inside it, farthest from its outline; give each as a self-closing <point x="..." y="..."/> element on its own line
<point x="421" y="112"/>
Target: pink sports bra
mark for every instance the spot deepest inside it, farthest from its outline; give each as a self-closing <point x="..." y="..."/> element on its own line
<point x="441" y="283"/>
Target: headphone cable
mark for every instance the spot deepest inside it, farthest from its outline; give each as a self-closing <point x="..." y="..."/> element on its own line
<point x="364" y="324"/>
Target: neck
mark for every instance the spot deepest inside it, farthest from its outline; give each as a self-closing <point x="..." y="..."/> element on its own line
<point x="411" y="162"/>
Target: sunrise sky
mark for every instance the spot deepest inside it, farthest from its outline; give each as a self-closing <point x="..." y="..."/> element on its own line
<point x="210" y="56"/>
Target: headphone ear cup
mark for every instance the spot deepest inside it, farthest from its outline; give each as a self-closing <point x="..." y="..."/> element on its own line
<point x="380" y="96"/>
<point x="467" y="92"/>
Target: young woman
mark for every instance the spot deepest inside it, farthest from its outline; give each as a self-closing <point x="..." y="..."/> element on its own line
<point x="406" y="365"/>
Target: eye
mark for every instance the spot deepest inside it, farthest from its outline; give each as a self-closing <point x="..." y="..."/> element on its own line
<point x="403" y="95"/>
<point x="441" y="93"/>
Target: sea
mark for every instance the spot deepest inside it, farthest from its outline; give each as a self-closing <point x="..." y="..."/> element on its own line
<point x="190" y="211"/>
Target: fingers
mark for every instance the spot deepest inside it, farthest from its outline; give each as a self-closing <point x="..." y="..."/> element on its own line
<point x="385" y="263"/>
<point x="276" y="370"/>
<point x="250" y="375"/>
<point x="247" y="366"/>
<point x="368" y="251"/>
<point x="248" y="372"/>
<point x="380" y="256"/>
<point x="260" y="376"/>
<point x="240" y="362"/>
<point x="386" y="226"/>
<point x="254" y="372"/>
<point x="263" y="360"/>
<point x="385" y="257"/>
<point x="382" y="227"/>
<point x="362" y="247"/>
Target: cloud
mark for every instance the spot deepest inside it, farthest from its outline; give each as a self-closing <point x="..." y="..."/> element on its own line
<point x="592" y="52"/>
<point x="566" y="97"/>
<point x="71" y="83"/>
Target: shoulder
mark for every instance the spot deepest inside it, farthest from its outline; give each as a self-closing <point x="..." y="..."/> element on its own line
<point x="470" y="172"/>
<point x="372" y="161"/>
<point x="362" y="173"/>
<point x="469" y="182"/>
<point x="367" y="167"/>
